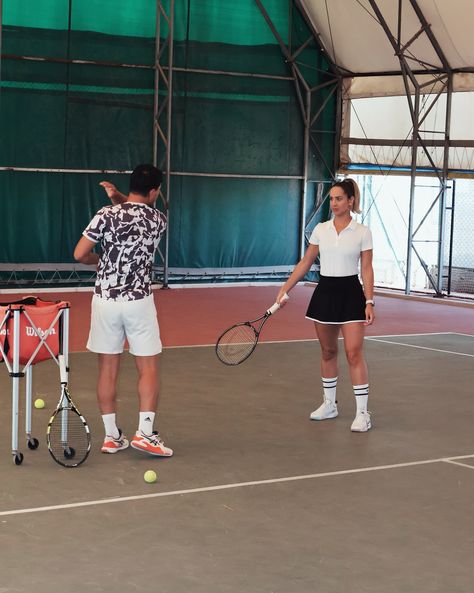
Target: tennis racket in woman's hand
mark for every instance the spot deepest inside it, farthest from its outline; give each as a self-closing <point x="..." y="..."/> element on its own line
<point x="68" y="436"/>
<point x="238" y="342"/>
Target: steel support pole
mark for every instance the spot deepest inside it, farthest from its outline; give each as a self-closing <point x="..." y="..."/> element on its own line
<point x="1" y="31"/>
<point x="158" y="108"/>
<point x="204" y="71"/>
<point x="168" y="148"/>
<point x="304" y="189"/>
<point x="156" y="83"/>
<point x="442" y="198"/>
<point x="451" y="235"/>
<point x="411" y="207"/>
<point x="337" y="139"/>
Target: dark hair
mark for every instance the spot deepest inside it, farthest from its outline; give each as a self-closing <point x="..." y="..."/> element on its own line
<point x="351" y="189"/>
<point x="144" y="178"/>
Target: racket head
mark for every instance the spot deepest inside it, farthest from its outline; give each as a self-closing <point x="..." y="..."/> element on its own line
<point x="68" y="436"/>
<point x="236" y="344"/>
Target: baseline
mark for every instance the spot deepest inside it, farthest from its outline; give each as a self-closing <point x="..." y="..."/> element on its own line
<point x="345" y="472"/>
<point x="212" y="344"/>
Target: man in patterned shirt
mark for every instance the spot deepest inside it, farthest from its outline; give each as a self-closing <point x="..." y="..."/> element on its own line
<point x="128" y="232"/>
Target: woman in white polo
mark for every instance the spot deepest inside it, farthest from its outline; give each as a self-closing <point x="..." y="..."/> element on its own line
<point x="339" y="302"/>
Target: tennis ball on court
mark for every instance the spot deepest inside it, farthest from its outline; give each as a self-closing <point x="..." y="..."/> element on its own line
<point x="39" y="403"/>
<point x="150" y="476"/>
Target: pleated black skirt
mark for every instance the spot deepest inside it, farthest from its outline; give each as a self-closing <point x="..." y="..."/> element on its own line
<point x="337" y="299"/>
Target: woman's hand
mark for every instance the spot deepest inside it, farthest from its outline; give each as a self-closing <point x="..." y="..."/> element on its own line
<point x="369" y="314"/>
<point x="282" y="297"/>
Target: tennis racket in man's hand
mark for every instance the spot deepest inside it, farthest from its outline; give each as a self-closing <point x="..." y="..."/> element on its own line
<point x="238" y="342"/>
<point x="68" y="435"/>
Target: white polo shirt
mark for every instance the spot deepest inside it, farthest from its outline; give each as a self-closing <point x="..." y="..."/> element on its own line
<point x="340" y="253"/>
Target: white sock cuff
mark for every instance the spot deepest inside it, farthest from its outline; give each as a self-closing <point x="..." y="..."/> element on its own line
<point x="329" y="382"/>
<point x="361" y="389"/>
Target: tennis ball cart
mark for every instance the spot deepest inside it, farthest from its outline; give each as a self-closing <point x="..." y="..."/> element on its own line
<point x="31" y="331"/>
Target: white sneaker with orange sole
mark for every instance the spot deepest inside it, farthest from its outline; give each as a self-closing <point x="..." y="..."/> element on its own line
<point x="152" y="444"/>
<point x="113" y="445"/>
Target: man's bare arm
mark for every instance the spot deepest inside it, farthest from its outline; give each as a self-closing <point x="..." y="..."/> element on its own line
<point x="113" y="193"/>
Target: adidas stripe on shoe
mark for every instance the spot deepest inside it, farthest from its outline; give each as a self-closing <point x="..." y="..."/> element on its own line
<point x="152" y="444"/>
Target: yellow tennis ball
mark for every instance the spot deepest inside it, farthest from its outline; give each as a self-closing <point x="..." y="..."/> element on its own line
<point x="39" y="403"/>
<point x="150" y="476"/>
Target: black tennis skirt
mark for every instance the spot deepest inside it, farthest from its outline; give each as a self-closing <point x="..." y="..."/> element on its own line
<point x="337" y="299"/>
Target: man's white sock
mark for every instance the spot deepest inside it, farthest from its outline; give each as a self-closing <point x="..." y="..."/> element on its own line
<point x="110" y="426"/>
<point x="145" y="423"/>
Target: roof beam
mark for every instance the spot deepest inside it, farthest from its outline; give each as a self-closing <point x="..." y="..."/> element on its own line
<point x="431" y="36"/>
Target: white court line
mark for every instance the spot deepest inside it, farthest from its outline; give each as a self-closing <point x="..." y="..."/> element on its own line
<point x="411" y="335"/>
<point x="260" y="343"/>
<point x="47" y="290"/>
<point x="421" y="347"/>
<point x="212" y="344"/>
<point x="460" y="334"/>
<point x="457" y="463"/>
<point x="344" y="472"/>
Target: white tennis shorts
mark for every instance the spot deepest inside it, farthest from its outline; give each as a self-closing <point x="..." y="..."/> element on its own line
<point x="114" y="321"/>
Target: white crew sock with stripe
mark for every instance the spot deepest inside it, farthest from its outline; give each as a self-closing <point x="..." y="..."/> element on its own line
<point x="145" y="422"/>
<point x="361" y="393"/>
<point x="329" y="388"/>
<point x="110" y="426"/>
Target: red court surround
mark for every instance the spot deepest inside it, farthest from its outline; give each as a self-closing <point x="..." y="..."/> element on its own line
<point x="195" y="316"/>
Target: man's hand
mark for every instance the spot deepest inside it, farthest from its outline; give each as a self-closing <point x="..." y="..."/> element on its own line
<point x="112" y="192"/>
<point x="110" y="188"/>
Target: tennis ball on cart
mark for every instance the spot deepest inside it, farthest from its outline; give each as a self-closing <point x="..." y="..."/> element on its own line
<point x="39" y="403"/>
<point x="150" y="476"/>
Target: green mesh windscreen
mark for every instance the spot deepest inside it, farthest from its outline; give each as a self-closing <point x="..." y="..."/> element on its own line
<point x="85" y="116"/>
<point x="207" y="21"/>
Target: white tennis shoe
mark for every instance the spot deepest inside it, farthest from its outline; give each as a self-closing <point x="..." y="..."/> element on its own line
<point x="326" y="410"/>
<point x="152" y="444"/>
<point x="362" y="422"/>
<point x="113" y="445"/>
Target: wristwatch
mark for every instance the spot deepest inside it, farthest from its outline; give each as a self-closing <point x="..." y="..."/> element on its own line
<point x="370" y="302"/>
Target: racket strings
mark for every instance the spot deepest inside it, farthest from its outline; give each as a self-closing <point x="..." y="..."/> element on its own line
<point x="69" y="439"/>
<point x="236" y="344"/>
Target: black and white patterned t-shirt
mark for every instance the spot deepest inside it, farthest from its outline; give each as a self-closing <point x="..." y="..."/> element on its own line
<point x="128" y="234"/>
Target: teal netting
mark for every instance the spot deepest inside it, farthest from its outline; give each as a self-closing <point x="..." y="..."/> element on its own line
<point x="84" y="116"/>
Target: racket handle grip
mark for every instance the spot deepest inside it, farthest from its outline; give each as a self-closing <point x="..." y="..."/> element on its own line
<point x="276" y="306"/>
<point x="62" y="368"/>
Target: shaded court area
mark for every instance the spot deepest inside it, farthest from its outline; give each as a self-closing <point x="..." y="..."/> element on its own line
<point x="257" y="498"/>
